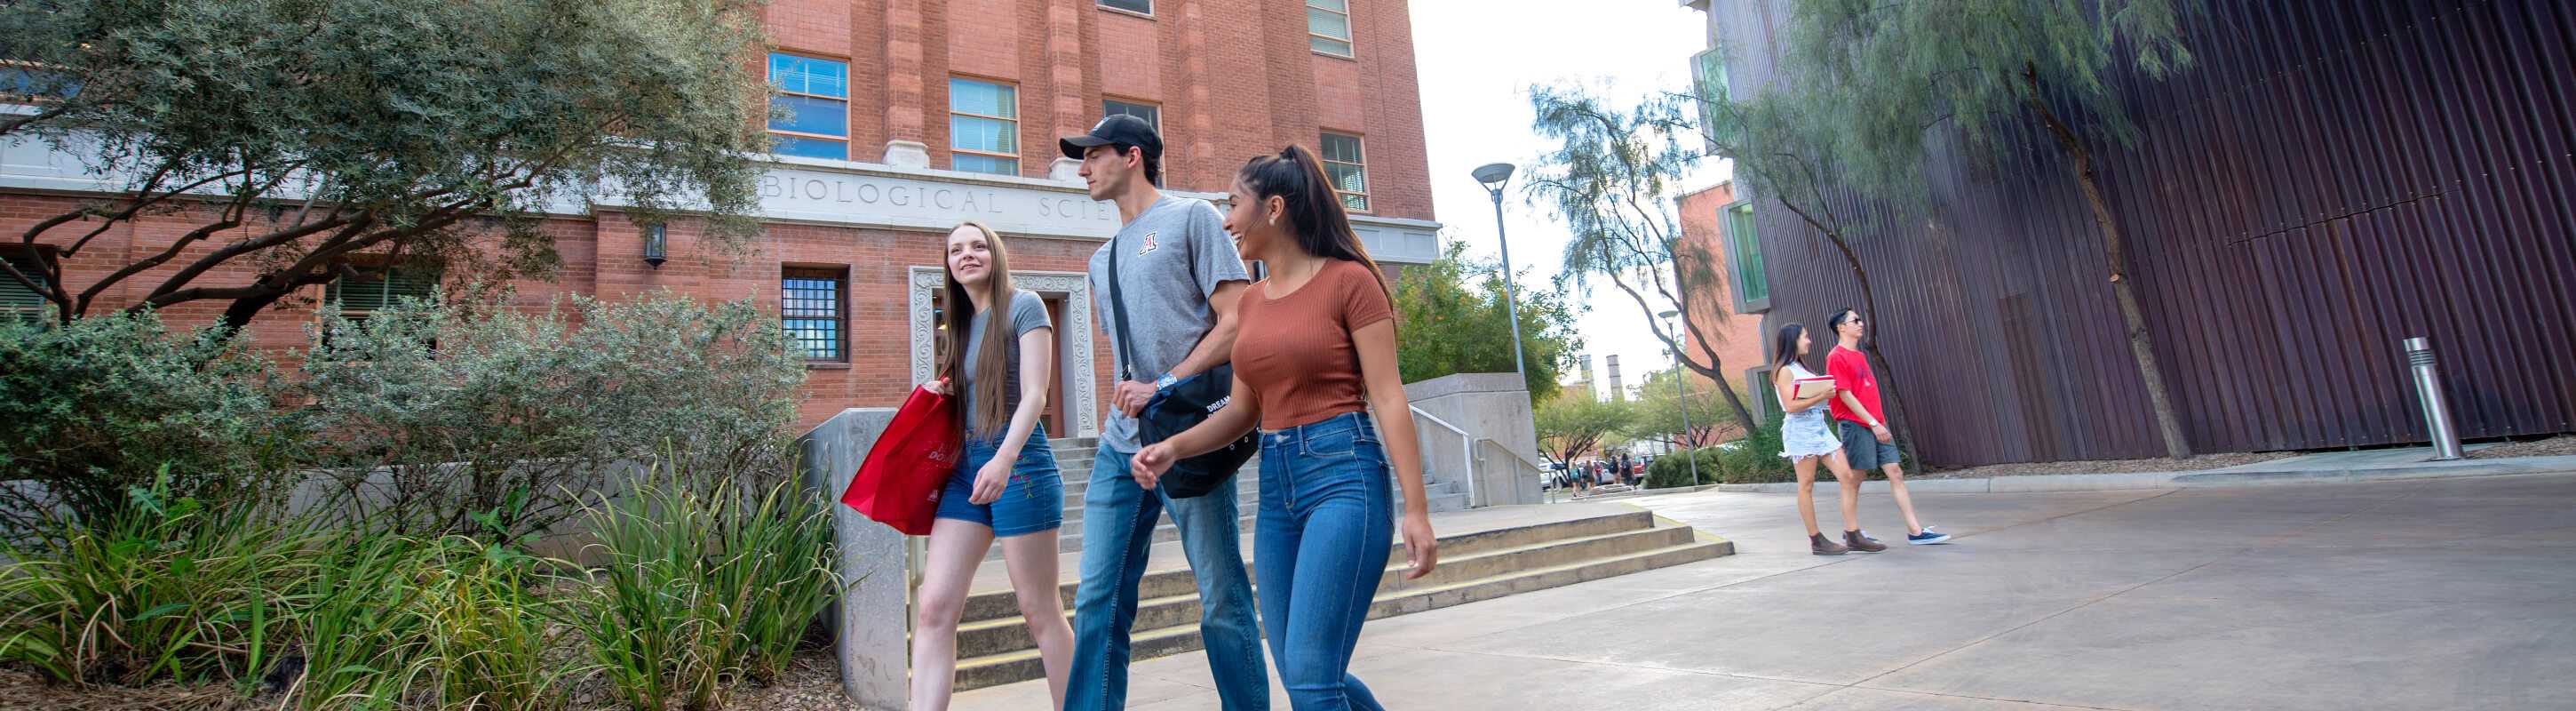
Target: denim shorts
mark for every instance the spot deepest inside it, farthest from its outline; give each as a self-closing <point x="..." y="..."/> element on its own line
<point x="1031" y="503"/>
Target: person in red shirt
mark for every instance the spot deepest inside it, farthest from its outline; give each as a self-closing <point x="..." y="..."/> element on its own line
<point x="1867" y="442"/>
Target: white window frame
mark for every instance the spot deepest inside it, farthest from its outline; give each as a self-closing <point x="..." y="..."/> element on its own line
<point x="1362" y="165"/>
<point x="844" y="98"/>
<point x="1352" y="41"/>
<point x="1016" y="163"/>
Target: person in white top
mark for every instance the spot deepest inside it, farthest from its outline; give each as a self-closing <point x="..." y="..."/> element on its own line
<point x="1805" y="440"/>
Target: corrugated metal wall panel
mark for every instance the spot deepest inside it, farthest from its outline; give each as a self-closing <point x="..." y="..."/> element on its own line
<point x="2330" y="179"/>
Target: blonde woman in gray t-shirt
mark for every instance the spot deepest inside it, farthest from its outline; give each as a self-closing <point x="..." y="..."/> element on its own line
<point x="1006" y="485"/>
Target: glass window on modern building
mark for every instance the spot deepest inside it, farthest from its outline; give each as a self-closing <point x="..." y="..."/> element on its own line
<point x="1348" y="170"/>
<point x="1153" y="115"/>
<point x="1744" y="254"/>
<point x="1141" y="7"/>
<point x="814" y="306"/>
<point x="1328" y="26"/>
<point x="17" y="300"/>
<point x="1766" y="398"/>
<point x="811" y="113"/>
<point x="1708" y="80"/>
<point x="983" y="126"/>
<point x="376" y="288"/>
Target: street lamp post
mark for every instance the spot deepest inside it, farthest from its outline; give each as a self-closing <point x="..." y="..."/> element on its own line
<point x="1681" y="378"/>
<point x="1493" y="176"/>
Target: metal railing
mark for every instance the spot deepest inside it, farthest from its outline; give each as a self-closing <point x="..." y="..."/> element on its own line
<point x="1466" y="450"/>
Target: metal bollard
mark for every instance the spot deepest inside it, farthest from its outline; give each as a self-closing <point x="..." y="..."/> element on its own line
<point x="2428" y="393"/>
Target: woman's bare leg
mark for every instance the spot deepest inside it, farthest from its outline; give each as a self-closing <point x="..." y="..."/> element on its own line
<point x="1032" y="562"/>
<point x="1807" y="493"/>
<point x="949" y="567"/>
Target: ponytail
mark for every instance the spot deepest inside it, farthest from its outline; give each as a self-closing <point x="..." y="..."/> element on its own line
<point x="1315" y="214"/>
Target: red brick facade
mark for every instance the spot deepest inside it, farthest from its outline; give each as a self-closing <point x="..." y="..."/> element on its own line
<point x="1232" y="80"/>
<point x="1741" y="344"/>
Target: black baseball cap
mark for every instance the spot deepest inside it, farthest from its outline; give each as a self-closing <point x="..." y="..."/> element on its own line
<point x="1117" y="128"/>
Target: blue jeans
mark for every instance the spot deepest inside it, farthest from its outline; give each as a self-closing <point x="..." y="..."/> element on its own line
<point x="1327" y="523"/>
<point x="1118" y="520"/>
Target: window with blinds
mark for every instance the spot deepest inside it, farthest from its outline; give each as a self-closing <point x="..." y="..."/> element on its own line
<point x="17" y="300"/>
<point x="360" y="296"/>
<point x="1328" y="26"/>
<point x="1348" y="169"/>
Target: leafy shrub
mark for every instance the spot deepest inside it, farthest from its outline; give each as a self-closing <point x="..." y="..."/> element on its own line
<point x="468" y="418"/>
<point x="1755" y="458"/>
<point x="165" y="589"/>
<point x="1674" y="470"/>
<point x="97" y="406"/>
<point x="704" y="587"/>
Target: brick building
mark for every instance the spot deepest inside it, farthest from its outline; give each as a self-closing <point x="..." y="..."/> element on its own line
<point x="1712" y="219"/>
<point x="905" y="117"/>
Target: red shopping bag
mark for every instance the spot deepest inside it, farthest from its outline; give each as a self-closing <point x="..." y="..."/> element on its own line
<point x="899" y="483"/>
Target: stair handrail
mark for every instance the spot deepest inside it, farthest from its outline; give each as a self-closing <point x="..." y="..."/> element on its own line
<point x="1466" y="450"/>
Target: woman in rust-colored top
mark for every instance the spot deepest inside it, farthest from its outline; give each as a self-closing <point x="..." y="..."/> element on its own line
<point x="1316" y="351"/>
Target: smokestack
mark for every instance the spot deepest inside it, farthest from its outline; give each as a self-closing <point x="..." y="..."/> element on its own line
<point x="1587" y="368"/>
<point x="1618" y="392"/>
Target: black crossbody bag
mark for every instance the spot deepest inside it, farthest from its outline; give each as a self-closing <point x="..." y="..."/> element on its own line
<point x="1175" y="409"/>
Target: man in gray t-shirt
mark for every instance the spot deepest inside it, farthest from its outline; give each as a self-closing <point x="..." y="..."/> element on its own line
<point x="1173" y="256"/>
<point x="1179" y="276"/>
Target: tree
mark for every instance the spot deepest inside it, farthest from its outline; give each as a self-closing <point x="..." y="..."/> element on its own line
<point x="1788" y="144"/>
<point x="303" y="142"/>
<point x="1575" y="423"/>
<point x="1987" y="68"/>
<point x="1660" y="415"/>
<point x="1612" y="179"/>
<point x="1451" y="327"/>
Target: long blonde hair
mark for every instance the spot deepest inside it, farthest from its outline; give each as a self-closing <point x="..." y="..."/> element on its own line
<point x="996" y="383"/>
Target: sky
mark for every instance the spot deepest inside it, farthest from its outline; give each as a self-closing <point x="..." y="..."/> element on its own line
<point x="1477" y="59"/>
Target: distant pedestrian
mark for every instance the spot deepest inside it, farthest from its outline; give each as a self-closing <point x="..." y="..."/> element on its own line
<point x="1806" y="438"/>
<point x="1869" y="443"/>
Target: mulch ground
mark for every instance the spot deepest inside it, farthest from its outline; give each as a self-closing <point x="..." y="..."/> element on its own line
<point x="812" y="683"/>
<point x="2110" y="466"/>
<point x="2559" y="446"/>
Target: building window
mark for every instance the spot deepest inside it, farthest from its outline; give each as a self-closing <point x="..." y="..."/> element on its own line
<point x="983" y="127"/>
<point x="811" y="113"/>
<point x="1744" y="253"/>
<point x="1141" y="7"/>
<point x="1153" y="115"/>
<point x="17" y="301"/>
<point x="1766" y="397"/>
<point x="1349" y="172"/>
<point x="1708" y="80"/>
<point x="1328" y="26"/>
<point x="373" y="289"/>
<point x="814" y="306"/>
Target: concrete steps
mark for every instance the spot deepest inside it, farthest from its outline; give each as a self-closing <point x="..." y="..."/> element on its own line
<point x="1484" y="554"/>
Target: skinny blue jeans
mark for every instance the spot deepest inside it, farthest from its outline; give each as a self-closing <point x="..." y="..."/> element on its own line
<point x="1320" y="546"/>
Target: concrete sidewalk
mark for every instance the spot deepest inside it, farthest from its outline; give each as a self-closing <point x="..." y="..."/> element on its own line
<point x="2430" y="594"/>
<point x="2326" y="467"/>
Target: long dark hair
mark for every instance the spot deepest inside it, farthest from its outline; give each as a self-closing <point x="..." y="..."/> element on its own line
<point x="993" y="376"/>
<point x="1315" y="212"/>
<point x="1784" y="349"/>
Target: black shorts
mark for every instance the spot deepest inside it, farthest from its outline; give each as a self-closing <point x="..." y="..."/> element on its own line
<point x="1861" y="448"/>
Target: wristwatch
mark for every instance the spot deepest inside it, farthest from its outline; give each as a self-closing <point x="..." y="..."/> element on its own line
<point x="1166" y="381"/>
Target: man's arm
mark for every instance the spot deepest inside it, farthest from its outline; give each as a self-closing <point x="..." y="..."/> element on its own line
<point x="1217" y="347"/>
